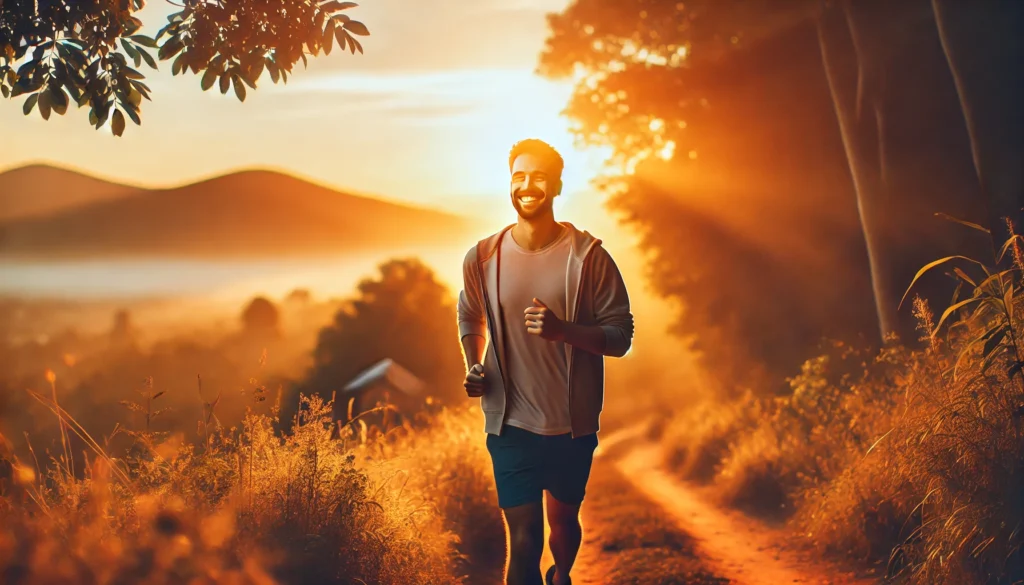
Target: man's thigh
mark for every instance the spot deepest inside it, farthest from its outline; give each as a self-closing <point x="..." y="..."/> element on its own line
<point x="517" y="457"/>
<point x="567" y="467"/>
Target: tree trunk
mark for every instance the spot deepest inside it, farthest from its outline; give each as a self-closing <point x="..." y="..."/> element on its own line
<point x="909" y="155"/>
<point x="845" y="80"/>
<point x="983" y="46"/>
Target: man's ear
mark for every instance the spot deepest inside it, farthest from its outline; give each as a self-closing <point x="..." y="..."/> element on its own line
<point x="558" y="188"/>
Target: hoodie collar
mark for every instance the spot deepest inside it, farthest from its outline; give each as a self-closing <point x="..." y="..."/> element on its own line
<point x="580" y="244"/>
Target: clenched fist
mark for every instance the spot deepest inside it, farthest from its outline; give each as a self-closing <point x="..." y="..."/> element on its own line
<point x="542" y="321"/>
<point x="475" y="381"/>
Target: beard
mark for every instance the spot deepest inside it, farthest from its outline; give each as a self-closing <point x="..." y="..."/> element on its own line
<point x="529" y="211"/>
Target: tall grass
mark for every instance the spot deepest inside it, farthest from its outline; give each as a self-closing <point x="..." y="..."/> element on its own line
<point x="250" y="505"/>
<point x="912" y="459"/>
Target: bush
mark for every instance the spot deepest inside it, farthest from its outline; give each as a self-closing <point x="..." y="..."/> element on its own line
<point x="253" y="506"/>
<point x="912" y="458"/>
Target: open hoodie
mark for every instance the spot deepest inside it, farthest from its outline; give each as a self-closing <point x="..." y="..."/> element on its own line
<point x="595" y="295"/>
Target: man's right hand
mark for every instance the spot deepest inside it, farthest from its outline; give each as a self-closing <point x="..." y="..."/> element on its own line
<point x="475" y="381"/>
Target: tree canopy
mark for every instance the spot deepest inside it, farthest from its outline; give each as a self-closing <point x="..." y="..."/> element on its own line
<point x="88" y="53"/>
<point x="787" y="164"/>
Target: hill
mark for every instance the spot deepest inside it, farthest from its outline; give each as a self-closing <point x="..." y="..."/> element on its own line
<point x="249" y="213"/>
<point x="37" y="190"/>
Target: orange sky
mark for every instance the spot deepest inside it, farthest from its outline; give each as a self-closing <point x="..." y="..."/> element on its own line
<point x="426" y="115"/>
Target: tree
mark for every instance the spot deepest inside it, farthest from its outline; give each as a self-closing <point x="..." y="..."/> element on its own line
<point x="823" y="134"/>
<point x="58" y="53"/>
<point x="261" y="319"/>
<point x="405" y="315"/>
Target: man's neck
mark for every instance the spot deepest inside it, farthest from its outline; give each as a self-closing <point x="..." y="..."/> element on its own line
<point x="537" y="233"/>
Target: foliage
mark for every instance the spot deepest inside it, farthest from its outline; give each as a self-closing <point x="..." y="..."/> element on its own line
<point x="88" y="53"/>
<point x="253" y="507"/>
<point x="405" y="314"/>
<point x="911" y="459"/>
<point x="261" y="317"/>
<point x="707" y="109"/>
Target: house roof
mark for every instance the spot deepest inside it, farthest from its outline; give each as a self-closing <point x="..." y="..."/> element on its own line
<point x="390" y="373"/>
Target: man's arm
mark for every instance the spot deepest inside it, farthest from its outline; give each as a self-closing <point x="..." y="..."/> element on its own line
<point x="586" y="337"/>
<point x="473" y="347"/>
<point x="611" y="304"/>
<point x="613" y="334"/>
<point x="472" y="322"/>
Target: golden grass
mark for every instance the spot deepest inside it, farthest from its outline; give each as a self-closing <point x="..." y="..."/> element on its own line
<point x="913" y="459"/>
<point x="253" y="506"/>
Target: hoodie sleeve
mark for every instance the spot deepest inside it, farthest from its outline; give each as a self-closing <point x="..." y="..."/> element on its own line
<point x="471" y="306"/>
<point x="611" y="303"/>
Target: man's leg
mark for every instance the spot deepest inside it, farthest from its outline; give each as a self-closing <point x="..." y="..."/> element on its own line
<point x="568" y="470"/>
<point x="525" y="543"/>
<point x="517" y="458"/>
<point x="565" y="538"/>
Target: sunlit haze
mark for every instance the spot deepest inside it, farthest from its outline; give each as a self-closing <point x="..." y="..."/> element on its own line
<point x="426" y="115"/>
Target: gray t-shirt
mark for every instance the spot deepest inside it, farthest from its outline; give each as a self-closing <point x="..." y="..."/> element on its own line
<point x="538" y="385"/>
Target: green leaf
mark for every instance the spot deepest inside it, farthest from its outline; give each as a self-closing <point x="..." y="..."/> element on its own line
<point x="337" y="6"/>
<point x="356" y="45"/>
<point x="340" y="35"/>
<point x="117" y="123"/>
<point x="964" y="277"/>
<point x="179" y="64"/>
<point x="170" y="48"/>
<point x="58" y="99"/>
<point x="225" y="82"/>
<point x="239" y="89"/>
<point x="357" y="28"/>
<point x="328" y="41"/>
<point x="994" y="341"/>
<point x="133" y="113"/>
<point x="962" y="222"/>
<point x="30" y="103"/>
<point x="148" y="58"/>
<point x="933" y="264"/>
<point x="208" y="78"/>
<point x="950" y="310"/>
<point x="44" y="104"/>
<point x="1009" y="242"/>
<point x="133" y="74"/>
<point x="1014" y="369"/>
<point x="132" y="51"/>
<point x="144" y="41"/>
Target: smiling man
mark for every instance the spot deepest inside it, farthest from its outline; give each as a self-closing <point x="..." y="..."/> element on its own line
<point x="552" y="303"/>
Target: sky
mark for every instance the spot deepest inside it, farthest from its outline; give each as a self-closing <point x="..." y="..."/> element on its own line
<point x="427" y="115"/>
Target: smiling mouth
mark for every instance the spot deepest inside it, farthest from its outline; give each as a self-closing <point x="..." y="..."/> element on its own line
<point x="529" y="198"/>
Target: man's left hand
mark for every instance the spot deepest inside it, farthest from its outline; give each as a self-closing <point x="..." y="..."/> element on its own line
<point x="542" y="321"/>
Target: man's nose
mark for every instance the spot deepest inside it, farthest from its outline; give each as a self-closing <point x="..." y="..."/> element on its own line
<point x="527" y="183"/>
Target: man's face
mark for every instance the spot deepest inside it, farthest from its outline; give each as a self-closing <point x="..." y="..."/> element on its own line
<point x="534" y="186"/>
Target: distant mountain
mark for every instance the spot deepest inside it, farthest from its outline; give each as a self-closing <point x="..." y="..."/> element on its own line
<point x="250" y="213"/>
<point x="36" y="190"/>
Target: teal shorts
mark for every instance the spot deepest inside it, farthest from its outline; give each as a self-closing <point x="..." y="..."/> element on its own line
<point x="525" y="464"/>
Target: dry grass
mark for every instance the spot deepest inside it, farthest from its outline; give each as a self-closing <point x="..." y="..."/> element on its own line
<point x="251" y="506"/>
<point x="911" y="459"/>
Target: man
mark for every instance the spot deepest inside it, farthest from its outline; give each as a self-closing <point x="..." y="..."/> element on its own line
<point x="552" y="303"/>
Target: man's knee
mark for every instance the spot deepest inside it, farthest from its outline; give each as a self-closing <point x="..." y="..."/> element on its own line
<point x="527" y="541"/>
<point x="563" y="518"/>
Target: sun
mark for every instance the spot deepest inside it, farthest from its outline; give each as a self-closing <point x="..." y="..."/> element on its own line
<point x="523" y="105"/>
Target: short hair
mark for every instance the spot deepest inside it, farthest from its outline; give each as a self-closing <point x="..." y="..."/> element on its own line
<point x="539" y="148"/>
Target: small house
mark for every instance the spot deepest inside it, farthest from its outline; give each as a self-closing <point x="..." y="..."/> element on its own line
<point x="384" y="383"/>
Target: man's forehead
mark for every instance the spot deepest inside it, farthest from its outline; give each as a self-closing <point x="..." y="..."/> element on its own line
<point x="531" y="162"/>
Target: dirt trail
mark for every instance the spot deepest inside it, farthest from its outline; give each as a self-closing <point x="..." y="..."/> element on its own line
<point x="728" y="544"/>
